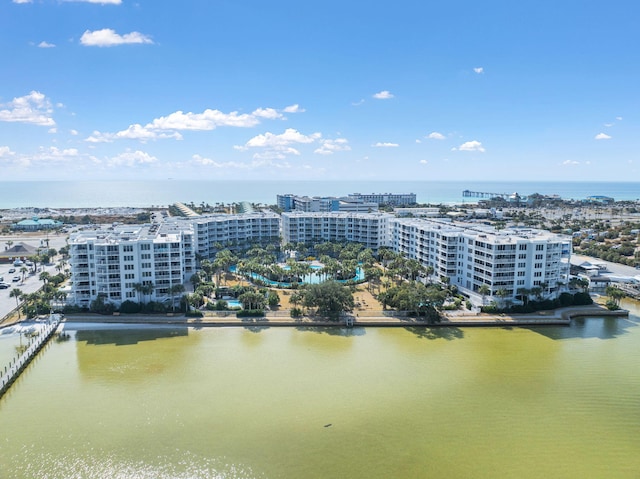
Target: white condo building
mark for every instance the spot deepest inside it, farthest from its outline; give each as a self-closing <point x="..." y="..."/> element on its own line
<point x="370" y="229"/>
<point x="110" y="261"/>
<point x="214" y="232"/>
<point x="474" y="255"/>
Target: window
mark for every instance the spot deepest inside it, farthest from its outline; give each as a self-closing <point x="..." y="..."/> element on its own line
<point x="538" y="256"/>
<point x="538" y="265"/>
<point x="539" y="247"/>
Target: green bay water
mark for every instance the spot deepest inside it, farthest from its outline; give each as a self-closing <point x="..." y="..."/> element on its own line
<point x="165" y="402"/>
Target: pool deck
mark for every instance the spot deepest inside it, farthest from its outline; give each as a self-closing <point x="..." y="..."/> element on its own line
<point x="559" y="317"/>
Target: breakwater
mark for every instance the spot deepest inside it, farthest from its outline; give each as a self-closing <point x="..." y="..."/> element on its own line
<point x="11" y="372"/>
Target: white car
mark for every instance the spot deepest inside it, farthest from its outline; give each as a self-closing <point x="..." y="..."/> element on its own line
<point x="15" y="279"/>
<point x="12" y="270"/>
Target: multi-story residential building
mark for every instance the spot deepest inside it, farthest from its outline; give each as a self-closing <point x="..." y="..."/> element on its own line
<point x="392" y="199"/>
<point x="111" y="261"/>
<point x="511" y="261"/>
<point x="370" y="229"/>
<point x="325" y="204"/>
<point x="235" y="232"/>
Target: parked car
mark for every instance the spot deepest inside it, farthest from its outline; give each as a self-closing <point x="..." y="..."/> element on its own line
<point x="12" y="270"/>
<point x="15" y="279"/>
<point x="4" y="285"/>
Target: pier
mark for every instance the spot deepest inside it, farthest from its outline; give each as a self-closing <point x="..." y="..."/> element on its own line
<point x="483" y="194"/>
<point x="11" y="372"/>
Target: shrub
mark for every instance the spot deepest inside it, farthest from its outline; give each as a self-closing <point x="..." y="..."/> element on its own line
<point x="250" y="313"/>
<point x="296" y="312"/>
<point x="193" y="314"/>
<point x="129" y="307"/>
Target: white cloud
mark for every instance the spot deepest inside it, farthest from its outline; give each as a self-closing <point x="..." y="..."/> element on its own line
<point x="22" y="1"/>
<point x="383" y="95"/>
<point x="418" y="141"/>
<point x="479" y="70"/>
<point x="109" y="38"/>
<point x="608" y="125"/>
<point x="132" y="158"/>
<point x="294" y="109"/>
<point x="53" y="130"/>
<point x="602" y="136"/>
<point x="168" y="126"/>
<point x="6" y="151"/>
<point x="278" y="146"/>
<point x="385" y="145"/>
<point x="329" y="147"/>
<point x="473" y="145"/>
<point x="570" y="162"/>
<point x="74" y="132"/>
<point x="619" y="118"/>
<point x="357" y="103"/>
<point x="33" y="108"/>
<point x="423" y="162"/>
<point x="44" y="44"/>
<point x="436" y="136"/>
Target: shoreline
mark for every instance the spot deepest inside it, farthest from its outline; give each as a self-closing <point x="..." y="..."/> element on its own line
<point x="560" y="317"/>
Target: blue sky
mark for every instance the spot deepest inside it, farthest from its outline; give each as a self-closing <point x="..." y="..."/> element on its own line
<point x="404" y="90"/>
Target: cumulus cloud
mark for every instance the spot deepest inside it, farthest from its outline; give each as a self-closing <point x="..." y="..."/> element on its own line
<point x="473" y="145"/>
<point x="436" y="136"/>
<point x="570" y="162"/>
<point x="34" y="108"/>
<point x="293" y="109"/>
<point x="329" y="147"/>
<point x="602" y="136"/>
<point x="274" y="146"/>
<point x="383" y="95"/>
<point x="479" y="70"/>
<point x="619" y="118"/>
<point x="385" y="145"/>
<point x="423" y="162"/>
<point x="109" y="38"/>
<point x="5" y="151"/>
<point x="44" y="44"/>
<point x="170" y="125"/>
<point x="132" y="158"/>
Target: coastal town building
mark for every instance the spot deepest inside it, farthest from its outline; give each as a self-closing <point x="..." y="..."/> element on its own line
<point x="324" y="204"/>
<point x="390" y="199"/>
<point x="507" y="261"/>
<point x="235" y="232"/>
<point x="37" y="224"/>
<point x="369" y="229"/>
<point x="113" y="262"/>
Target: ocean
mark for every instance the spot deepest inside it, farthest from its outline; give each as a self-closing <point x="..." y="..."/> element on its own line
<point x="108" y="194"/>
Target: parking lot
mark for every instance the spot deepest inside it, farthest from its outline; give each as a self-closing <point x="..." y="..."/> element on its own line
<point x="31" y="282"/>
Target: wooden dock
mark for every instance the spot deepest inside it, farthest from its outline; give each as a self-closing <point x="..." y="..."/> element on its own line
<point x="11" y="372"/>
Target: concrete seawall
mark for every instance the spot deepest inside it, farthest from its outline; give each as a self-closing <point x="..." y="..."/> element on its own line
<point x="559" y="317"/>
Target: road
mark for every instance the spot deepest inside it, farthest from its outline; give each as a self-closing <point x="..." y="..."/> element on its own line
<point x="31" y="282"/>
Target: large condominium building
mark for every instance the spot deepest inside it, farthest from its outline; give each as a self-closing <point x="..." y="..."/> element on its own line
<point x="214" y="232"/>
<point x="113" y="262"/>
<point x="509" y="260"/>
<point x="370" y="229"/>
<point x="324" y="204"/>
<point x="393" y="199"/>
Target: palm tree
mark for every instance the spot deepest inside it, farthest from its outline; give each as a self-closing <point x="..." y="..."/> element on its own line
<point x="173" y="290"/>
<point x="9" y="244"/>
<point x="17" y="293"/>
<point x="24" y="270"/>
<point x="484" y="290"/>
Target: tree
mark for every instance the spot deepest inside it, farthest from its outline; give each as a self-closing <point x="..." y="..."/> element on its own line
<point x="616" y="294"/>
<point x="17" y="293"/>
<point x="24" y="270"/>
<point x="330" y="298"/>
<point x="484" y="290"/>
<point x="173" y="290"/>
